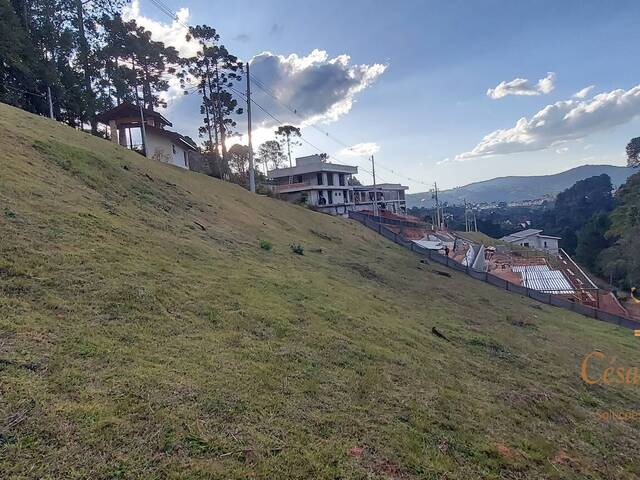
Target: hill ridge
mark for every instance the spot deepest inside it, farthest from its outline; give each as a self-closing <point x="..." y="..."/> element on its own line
<point x="521" y="187"/>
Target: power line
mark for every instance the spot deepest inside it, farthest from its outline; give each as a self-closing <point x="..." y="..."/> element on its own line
<point x="167" y="11"/>
<point x="260" y="85"/>
<point x="337" y="160"/>
<point x="42" y="95"/>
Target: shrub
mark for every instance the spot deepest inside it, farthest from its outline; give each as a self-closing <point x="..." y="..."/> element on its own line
<point x="265" y="245"/>
<point x="297" y="249"/>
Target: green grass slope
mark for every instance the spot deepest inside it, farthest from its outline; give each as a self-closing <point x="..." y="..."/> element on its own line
<point x="136" y="345"/>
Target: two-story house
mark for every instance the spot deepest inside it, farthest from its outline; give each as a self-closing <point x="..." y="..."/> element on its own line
<point x="316" y="182"/>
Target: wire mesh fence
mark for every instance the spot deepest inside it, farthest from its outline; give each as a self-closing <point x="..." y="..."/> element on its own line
<point x="566" y="300"/>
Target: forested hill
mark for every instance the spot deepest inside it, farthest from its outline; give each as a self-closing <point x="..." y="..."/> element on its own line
<point x="621" y="260"/>
<point x="509" y="189"/>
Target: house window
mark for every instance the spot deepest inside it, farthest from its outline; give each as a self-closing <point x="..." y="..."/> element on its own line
<point x="341" y="179"/>
<point x="545" y="244"/>
<point x="329" y="178"/>
<point x="330" y="196"/>
<point x="173" y="147"/>
<point x="186" y="159"/>
<point x="525" y="244"/>
<point x="319" y="174"/>
<point x="298" y="179"/>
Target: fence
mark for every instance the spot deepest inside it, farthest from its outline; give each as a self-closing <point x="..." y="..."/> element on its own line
<point x="487" y="277"/>
<point x="363" y="217"/>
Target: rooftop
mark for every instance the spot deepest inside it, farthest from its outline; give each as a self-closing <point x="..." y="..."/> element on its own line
<point x="126" y="110"/>
<point x="173" y="136"/>
<point x="311" y="164"/>
<point x="382" y="186"/>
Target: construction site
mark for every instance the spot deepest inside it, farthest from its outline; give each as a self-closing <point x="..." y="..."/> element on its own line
<point x="554" y="273"/>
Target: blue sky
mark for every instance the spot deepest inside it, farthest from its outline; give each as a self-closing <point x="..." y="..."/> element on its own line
<point x="426" y="106"/>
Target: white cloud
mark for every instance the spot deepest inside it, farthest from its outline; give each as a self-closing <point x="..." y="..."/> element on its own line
<point x="318" y="88"/>
<point x="584" y="92"/>
<point x="173" y="33"/>
<point x="443" y="161"/>
<point x="361" y="150"/>
<point x="562" y="150"/>
<point x="559" y="122"/>
<point x="521" y="86"/>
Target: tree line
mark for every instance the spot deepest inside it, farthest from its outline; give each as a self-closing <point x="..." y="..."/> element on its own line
<point x="90" y="60"/>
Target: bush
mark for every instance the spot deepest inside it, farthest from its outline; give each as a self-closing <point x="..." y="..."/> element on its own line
<point x="265" y="245"/>
<point x="297" y="249"/>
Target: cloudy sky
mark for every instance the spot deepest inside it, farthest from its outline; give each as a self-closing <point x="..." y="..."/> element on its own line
<point x="448" y="91"/>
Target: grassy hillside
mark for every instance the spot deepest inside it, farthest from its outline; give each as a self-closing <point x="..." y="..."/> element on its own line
<point x="135" y="344"/>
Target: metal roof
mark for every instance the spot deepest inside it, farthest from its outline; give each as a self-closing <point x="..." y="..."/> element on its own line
<point x="429" y="244"/>
<point x="514" y="237"/>
<point x="543" y="279"/>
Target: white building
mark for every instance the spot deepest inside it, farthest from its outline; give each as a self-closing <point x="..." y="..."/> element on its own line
<point x="533" y="238"/>
<point x="163" y="145"/>
<point x="390" y="197"/>
<point x="326" y="187"/>
<point x="316" y="182"/>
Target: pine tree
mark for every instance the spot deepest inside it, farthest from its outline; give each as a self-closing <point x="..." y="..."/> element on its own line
<point x="213" y="71"/>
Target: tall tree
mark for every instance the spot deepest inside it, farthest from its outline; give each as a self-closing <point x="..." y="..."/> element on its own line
<point x="213" y="70"/>
<point x="239" y="161"/>
<point x="592" y="239"/>
<point x="576" y="205"/>
<point x="17" y="74"/>
<point x="633" y="152"/>
<point x="133" y="59"/>
<point x="270" y="153"/>
<point x="287" y="135"/>
<point x="88" y="40"/>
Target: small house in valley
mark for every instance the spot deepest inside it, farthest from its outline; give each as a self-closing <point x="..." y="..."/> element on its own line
<point x="533" y="238"/>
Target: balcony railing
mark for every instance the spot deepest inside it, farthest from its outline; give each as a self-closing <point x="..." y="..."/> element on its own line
<point x="291" y="186"/>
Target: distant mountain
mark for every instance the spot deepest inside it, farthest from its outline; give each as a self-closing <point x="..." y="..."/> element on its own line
<point x="511" y="189"/>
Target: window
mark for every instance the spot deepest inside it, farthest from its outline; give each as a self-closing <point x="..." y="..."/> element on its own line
<point x="298" y="179"/>
<point x="545" y="244"/>
<point x="173" y="147"/>
<point x="319" y="174"/>
<point x="186" y="158"/>
<point x="341" y="179"/>
<point x="329" y="178"/>
<point x="330" y="196"/>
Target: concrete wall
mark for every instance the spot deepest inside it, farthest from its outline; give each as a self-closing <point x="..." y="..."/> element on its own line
<point x="164" y="150"/>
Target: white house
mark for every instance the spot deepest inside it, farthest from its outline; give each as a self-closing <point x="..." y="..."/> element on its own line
<point x="390" y="197"/>
<point x="316" y="182"/>
<point x="533" y="238"/>
<point x="326" y="187"/>
<point x="163" y="145"/>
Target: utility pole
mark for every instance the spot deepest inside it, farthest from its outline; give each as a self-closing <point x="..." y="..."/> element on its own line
<point x="142" y="128"/>
<point x="466" y="218"/>
<point x="375" y="189"/>
<point x="252" y="173"/>
<point x="438" y="220"/>
<point x="475" y="223"/>
<point x="50" y="102"/>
